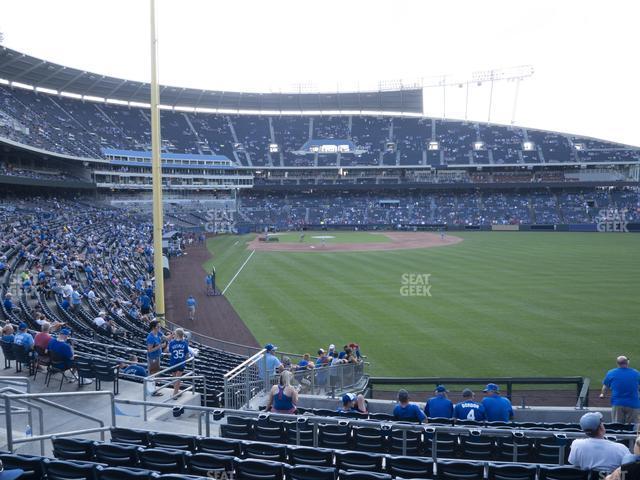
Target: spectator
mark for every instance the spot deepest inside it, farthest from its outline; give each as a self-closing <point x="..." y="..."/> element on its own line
<point x="8" y="303"/>
<point x="332" y="351"/>
<point x="43" y="337"/>
<point x="24" y="338"/>
<point x="154" y="349"/>
<point x="7" y="333"/>
<point x="630" y="465"/>
<point x="468" y="408"/>
<point x="178" y="354"/>
<point x="270" y="360"/>
<point x="132" y="367"/>
<point x="145" y="304"/>
<point x="439" y="405"/>
<point x="353" y="403"/>
<point x="595" y="452"/>
<point x="496" y="408"/>
<point x="407" y="412"/>
<point x="191" y="307"/>
<point x="76" y="300"/>
<point x="623" y="383"/>
<point x="62" y="355"/>
<point x="283" y="397"/>
<point x="99" y="321"/>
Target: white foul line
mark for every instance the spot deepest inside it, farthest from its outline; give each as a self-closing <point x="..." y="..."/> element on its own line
<point x="238" y="272"/>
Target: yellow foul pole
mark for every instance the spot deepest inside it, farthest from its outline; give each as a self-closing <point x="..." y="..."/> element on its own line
<point x="156" y="171"/>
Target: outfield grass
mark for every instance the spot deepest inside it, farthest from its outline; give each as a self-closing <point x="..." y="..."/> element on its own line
<point x="335" y="237"/>
<point x="501" y="304"/>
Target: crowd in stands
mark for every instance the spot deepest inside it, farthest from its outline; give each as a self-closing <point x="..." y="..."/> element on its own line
<point x="73" y="127"/>
<point x="83" y="274"/>
<point x="393" y="208"/>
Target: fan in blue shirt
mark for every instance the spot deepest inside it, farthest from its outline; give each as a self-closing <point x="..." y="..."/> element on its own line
<point x="468" y="408"/>
<point x="439" y="405"/>
<point x="407" y="412"/>
<point x="496" y="408"/>
<point x="178" y="352"/>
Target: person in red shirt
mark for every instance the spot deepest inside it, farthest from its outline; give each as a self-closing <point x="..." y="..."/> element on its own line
<point x="42" y="338"/>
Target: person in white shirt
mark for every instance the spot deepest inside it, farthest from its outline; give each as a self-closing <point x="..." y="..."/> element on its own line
<point x="595" y="452"/>
<point x="99" y="321"/>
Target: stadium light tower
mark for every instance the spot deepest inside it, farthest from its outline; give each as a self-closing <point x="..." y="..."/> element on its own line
<point x="156" y="170"/>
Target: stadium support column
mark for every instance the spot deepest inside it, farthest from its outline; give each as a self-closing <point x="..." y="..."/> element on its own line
<point x="156" y="170"/>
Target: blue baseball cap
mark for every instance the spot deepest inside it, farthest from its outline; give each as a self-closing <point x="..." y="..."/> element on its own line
<point x="22" y="326"/>
<point x="270" y="347"/>
<point x="491" y="387"/>
<point x="441" y="389"/>
<point x="348" y="397"/>
<point x="65" y="331"/>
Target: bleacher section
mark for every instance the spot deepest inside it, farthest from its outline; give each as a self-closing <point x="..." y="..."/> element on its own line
<point x="82" y="129"/>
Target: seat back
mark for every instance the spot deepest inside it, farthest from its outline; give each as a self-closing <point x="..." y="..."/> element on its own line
<point x="358" y="475"/>
<point x="116" y="454"/>
<point x="409" y="467"/>
<point x="412" y="439"/>
<point x="446" y="444"/>
<point x="307" y="472"/>
<point x="318" y="457"/>
<point x="7" y="350"/>
<point x="84" y="368"/>
<point x="562" y="473"/>
<point x="72" y="449"/>
<point x="334" y="436"/>
<point x="121" y="473"/>
<point x="369" y="439"/>
<point x="172" y="441"/>
<point x="105" y="372"/>
<point x="20" y="354"/>
<point x="476" y="446"/>
<point x="33" y="467"/>
<point x="511" y="472"/>
<point x="359" y="461"/>
<point x="130" y="436"/>
<point x="219" y="446"/>
<point x="206" y="463"/>
<point x="163" y="460"/>
<point x="65" y="470"/>
<point x="454" y="470"/>
<point x="265" y="451"/>
<point x="258" y="470"/>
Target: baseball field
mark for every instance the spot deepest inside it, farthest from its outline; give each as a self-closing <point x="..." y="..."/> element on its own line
<point x="473" y="304"/>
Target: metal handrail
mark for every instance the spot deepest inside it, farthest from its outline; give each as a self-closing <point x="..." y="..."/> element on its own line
<point x="41" y="397"/>
<point x="232" y="373"/>
<point x="31" y="405"/>
<point x="17" y="381"/>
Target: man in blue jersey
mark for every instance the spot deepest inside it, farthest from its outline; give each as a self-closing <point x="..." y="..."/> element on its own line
<point x="623" y="383"/>
<point x="439" y="405"/>
<point x="407" y="412"/>
<point x="496" y="408"/>
<point x="468" y="408"/>
<point x="24" y="338"/>
<point x="61" y="353"/>
<point x="178" y="354"/>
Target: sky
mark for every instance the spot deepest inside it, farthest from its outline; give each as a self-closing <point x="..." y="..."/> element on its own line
<point x="584" y="53"/>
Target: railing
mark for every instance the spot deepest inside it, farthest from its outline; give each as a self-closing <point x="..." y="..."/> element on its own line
<point x="243" y="382"/>
<point x="31" y="398"/>
<point x="248" y="379"/>
<point x="330" y="380"/>
<point x="150" y="383"/>
<point x="581" y="383"/>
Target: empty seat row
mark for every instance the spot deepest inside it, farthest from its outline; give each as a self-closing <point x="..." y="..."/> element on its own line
<point x="314" y="464"/>
<point x="511" y="446"/>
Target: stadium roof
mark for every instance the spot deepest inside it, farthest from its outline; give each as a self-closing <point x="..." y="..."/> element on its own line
<point x="25" y="69"/>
